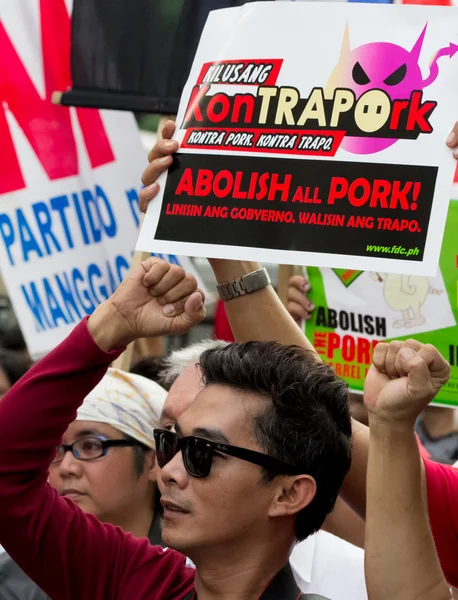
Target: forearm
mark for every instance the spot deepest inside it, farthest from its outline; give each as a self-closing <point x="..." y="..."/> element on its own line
<point x="354" y="486"/>
<point x="401" y="560"/>
<point x="344" y="523"/>
<point x="259" y="316"/>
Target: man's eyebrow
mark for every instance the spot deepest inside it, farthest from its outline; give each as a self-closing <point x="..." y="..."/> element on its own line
<point x="213" y="435"/>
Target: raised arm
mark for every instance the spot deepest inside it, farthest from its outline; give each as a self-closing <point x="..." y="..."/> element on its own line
<point x="259" y="316"/>
<point x="71" y="555"/>
<point x="401" y="560"/>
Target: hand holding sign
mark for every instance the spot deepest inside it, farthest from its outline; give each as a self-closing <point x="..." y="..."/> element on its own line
<point x="160" y="159"/>
<point x="299" y="306"/>
<point x="452" y="140"/>
<point x="402" y="381"/>
<point x="156" y="299"/>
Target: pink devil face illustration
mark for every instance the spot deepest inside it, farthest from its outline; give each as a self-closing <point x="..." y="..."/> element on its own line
<point x="377" y="65"/>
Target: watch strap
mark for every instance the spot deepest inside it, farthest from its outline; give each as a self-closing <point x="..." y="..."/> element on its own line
<point x="247" y="284"/>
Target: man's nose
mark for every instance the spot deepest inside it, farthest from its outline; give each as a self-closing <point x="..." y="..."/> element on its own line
<point x="174" y="471"/>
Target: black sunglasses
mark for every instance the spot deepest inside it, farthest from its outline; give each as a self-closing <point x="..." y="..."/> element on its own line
<point x="198" y="454"/>
<point x="90" y="448"/>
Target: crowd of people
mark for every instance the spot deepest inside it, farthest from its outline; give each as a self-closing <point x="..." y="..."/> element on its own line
<point x="230" y="470"/>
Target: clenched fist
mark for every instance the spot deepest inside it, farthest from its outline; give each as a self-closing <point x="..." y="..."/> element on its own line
<point x="403" y="379"/>
<point x="155" y="299"/>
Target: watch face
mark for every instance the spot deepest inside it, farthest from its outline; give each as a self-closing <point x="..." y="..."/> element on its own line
<point x="256" y="281"/>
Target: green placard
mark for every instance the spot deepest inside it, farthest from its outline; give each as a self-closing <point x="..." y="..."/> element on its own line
<point x="356" y="309"/>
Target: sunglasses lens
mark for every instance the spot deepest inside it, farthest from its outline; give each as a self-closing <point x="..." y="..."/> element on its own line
<point x="197" y="457"/>
<point x="166" y="446"/>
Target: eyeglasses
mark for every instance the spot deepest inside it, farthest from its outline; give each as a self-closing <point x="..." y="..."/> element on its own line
<point x="90" y="448"/>
<point x="198" y="454"/>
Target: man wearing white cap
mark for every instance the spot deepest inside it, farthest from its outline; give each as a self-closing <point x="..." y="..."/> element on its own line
<point x="105" y="464"/>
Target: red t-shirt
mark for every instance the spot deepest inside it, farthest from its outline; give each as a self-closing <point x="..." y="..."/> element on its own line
<point x="442" y="486"/>
<point x="67" y="553"/>
<point x="423" y="452"/>
<point x="222" y="329"/>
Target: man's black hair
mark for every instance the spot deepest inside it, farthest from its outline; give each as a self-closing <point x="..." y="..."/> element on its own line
<point x="306" y="421"/>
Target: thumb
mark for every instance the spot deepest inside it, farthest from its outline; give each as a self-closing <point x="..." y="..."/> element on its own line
<point x="194" y="309"/>
<point x="418" y="374"/>
<point x="168" y="129"/>
<point x="186" y="313"/>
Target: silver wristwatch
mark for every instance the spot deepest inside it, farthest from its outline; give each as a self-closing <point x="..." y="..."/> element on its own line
<point x="252" y="282"/>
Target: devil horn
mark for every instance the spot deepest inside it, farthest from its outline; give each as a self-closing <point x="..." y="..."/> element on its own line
<point x="416" y="50"/>
<point x="345" y="48"/>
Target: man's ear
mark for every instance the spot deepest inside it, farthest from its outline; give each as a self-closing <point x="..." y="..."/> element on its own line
<point x="293" y="494"/>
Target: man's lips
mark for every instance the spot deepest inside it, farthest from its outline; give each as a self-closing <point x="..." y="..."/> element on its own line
<point x="173" y="507"/>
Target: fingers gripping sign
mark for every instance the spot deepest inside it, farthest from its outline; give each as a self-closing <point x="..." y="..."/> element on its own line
<point x="452" y="140"/>
<point x="403" y="379"/>
<point x="299" y="306"/>
<point x="160" y="159"/>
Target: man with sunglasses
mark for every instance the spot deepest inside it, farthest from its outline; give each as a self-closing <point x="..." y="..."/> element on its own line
<point x="106" y="465"/>
<point x="322" y="563"/>
<point x="263" y="404"/>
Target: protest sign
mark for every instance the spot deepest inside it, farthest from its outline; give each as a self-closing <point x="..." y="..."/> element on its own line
<point x="69" y="181"/>
<point x="314" y="140"/>
<point x="355" y="310"/>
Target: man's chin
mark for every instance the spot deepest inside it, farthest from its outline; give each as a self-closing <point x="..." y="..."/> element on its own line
<point x="176" y="537"/>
